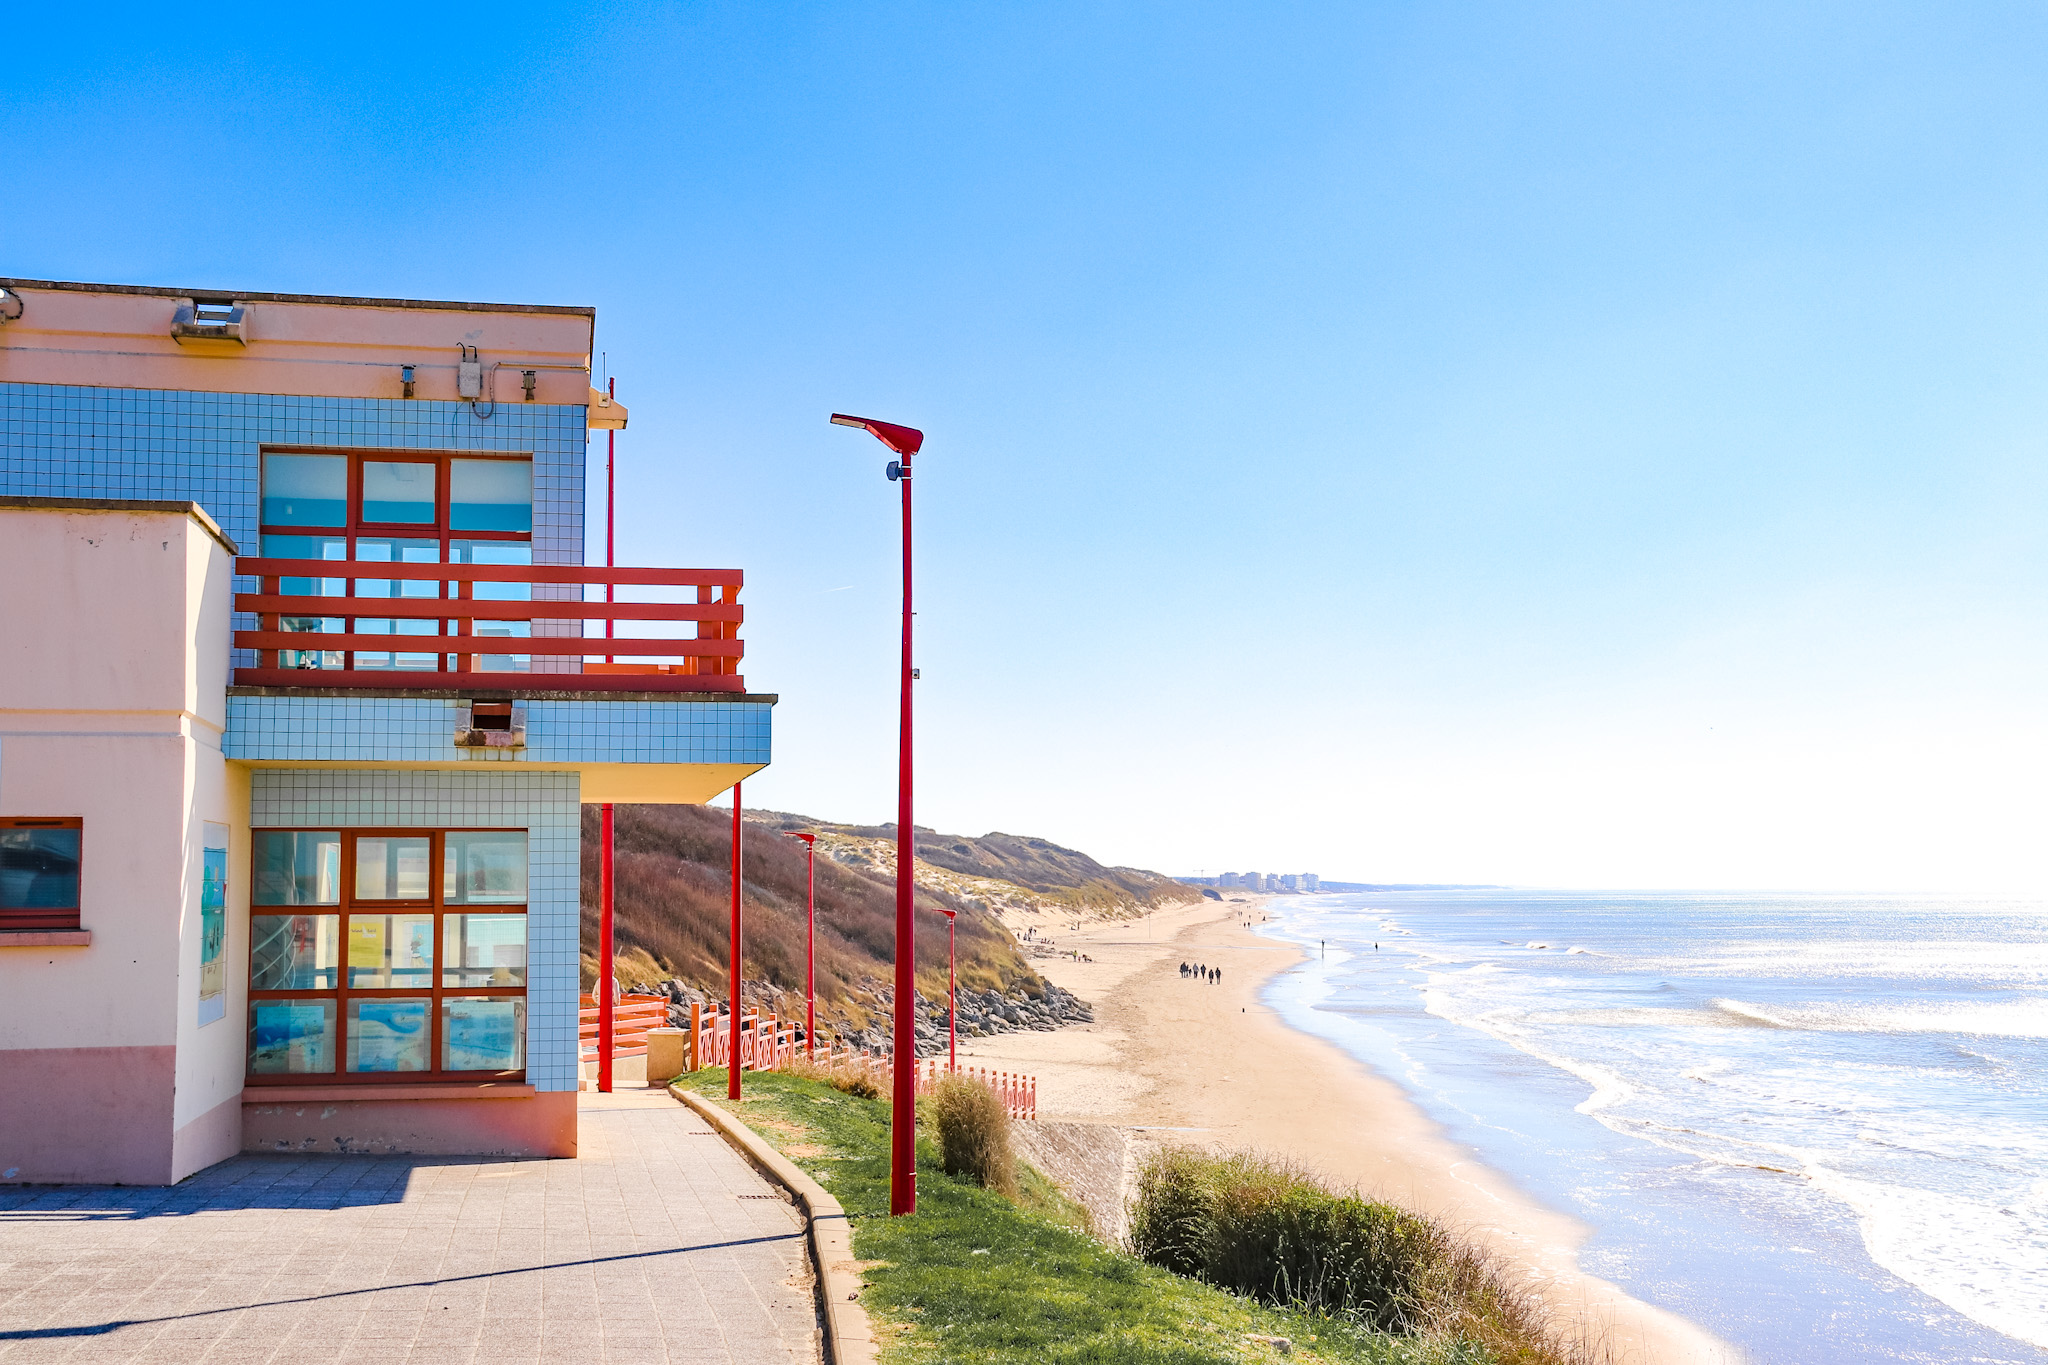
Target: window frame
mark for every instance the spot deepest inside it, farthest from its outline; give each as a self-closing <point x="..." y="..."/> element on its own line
<point x="356" y="528"/>
<point x="436" y="991"/>
<point x="43" y="919"/>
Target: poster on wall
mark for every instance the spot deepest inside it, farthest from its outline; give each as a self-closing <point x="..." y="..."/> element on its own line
<point x="213" y="924"/>
<point x="388" y="1035"/>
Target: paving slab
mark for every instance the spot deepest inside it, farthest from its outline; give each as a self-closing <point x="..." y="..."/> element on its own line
<point x="655" y="1245"/>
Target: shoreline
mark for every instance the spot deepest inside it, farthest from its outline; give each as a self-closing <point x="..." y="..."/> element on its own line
<point x="1169" y="1059"/>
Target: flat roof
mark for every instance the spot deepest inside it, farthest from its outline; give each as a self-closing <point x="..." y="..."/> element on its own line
<point x="232" y="296"/>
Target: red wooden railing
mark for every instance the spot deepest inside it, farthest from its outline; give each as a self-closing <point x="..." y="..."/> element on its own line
<point x="708" y="663"/>
<point x="766" y="1045"/>
<point x="632" y="1017"/>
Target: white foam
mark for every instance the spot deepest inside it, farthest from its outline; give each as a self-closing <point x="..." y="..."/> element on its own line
<point x="1987" y="1261"/>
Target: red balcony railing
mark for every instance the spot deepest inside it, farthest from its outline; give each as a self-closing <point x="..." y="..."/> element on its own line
<point x="363" y="623"/>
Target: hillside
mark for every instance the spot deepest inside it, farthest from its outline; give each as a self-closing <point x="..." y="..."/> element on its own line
<point x="672" y="906"/>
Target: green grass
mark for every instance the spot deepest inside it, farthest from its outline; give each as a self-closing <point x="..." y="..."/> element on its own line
<point x="973" y="1276"/>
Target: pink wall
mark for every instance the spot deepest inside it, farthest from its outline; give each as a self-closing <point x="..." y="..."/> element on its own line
<point x="533" y="1125"/>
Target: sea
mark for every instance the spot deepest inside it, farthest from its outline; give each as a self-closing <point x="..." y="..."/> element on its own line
<point x="1817" y="1125"/>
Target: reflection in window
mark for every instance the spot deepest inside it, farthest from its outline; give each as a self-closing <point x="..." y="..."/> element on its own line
<point x="513" y="552"/>
<point x="295" y="867"/>
<point x="305" y="490"/>
<point x="490" y="495"/>
<point x="388" y="952"/>
<point x="39" y="868"/>
<point x="483" y="1034"/>
<point x="294" y="952"/>
<point x="398" y="492"/>
<point x="484" y="867"/>
<point x="392" y="867"/>
<point x="291" y="1037"/>
<point x="388" y="550"/>
<point x="483" y="950"/>
<point x="387" y="1034"/>
<point x="309" y="547"/>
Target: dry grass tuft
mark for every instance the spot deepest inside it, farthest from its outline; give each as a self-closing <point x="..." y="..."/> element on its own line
<point x="974" y="1133"/>
<point x="1265" y="1227"/>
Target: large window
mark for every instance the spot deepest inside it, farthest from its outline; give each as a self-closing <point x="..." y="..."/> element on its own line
<point x="39" y="872"/>
<point x="375" y="951"/>
<point x="398" y="507"/>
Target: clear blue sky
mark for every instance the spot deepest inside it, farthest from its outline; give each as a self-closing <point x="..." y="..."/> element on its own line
<point x="1575" y="444"/>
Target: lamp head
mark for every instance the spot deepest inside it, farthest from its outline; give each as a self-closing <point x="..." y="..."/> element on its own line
<point x="808" y="839"/>
<point x="905" y="441"/>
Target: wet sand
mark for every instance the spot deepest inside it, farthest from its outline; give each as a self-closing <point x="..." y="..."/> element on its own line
<point x="1168" y="1059"/>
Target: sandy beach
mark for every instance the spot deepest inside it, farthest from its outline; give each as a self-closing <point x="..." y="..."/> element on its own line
<point x="1171" y="1060"/>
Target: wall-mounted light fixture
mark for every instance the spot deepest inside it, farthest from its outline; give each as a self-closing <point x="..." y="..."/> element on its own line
<point x="406" y="372"/>
<point x="10" y="306"/>
<point x="527" y="379"/>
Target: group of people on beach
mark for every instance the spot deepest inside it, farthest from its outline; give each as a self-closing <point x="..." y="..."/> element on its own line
<point x="1212" y="975"/>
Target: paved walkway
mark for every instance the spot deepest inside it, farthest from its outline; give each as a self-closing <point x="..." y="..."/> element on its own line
<point x="658" y="1244"/>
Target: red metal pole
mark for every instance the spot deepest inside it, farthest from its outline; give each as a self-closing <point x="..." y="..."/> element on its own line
<point x="811" y="948"/>
<point x="903" y="1112"/>
<point x="605" y="966"/>
<point x="732" y="1072"/>
<point x="952" y="997"/>
<point x="611" y="387"/>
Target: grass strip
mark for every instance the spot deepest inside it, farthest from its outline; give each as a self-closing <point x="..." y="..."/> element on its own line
<point x="974" y="1276"/>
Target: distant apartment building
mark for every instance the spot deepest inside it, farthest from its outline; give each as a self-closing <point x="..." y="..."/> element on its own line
<point x="301" y="714"/>
<point x="1227" y="881"/>
<point x="1310" y="882"/>
<point x="1253" y="882"/>
<point x="1290" y="882"/>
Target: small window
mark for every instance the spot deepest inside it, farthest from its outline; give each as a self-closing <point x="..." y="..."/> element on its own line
<point x="39" y="859"/>
<point x="305" y="490"/>
<point x="399" y="493"/>
<point x="490" y="495"/>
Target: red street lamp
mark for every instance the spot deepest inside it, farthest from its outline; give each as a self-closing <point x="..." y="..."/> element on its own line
<point x="732" y="1060"/>
<point x="952" y="993"/>
<point x="810" y="940"/>
<point x="905" y="441"/>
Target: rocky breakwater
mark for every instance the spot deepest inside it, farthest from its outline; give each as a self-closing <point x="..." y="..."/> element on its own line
<point x="982" y="1013"/>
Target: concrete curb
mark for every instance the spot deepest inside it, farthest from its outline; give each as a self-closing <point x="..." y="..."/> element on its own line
<point x="849" y="1337"/>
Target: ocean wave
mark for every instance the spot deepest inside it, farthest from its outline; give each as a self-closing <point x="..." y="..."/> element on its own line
<point x="2000" y="1019"/>
<point x="1986" y="1260"/>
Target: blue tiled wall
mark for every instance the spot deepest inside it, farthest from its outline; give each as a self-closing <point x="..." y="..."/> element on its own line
<point x="70" y="440"/>
<point x="545" y="805"/>
<point x="414" y="730"/>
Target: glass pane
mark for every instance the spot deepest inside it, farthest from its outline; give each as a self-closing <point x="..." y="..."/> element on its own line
<point x="395" y="492"/>
<point x="389" y="1035"/>
<point x="39" y="869"/>
<point x="483" y="950"/>
<point x="297" y="868"/>
<point x="392" y="867"/>
<point x="516" y="552"/>
<point x="291" y="1037"/>
<point x="390" y="550"/>
<point x="387" y="952"/>
<point x="484" y="867"/>
<point x="309" y="547"/>
<point x="483" y="1034"/>
<point x="490" y="495"/>
<point x="294" y="952"/>
<point x="305" y="490"/>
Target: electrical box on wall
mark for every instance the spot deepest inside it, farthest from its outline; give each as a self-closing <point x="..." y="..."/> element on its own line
<point x="469" y="375"/>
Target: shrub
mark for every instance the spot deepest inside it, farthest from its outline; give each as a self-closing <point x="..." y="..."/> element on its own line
<point x="974" y="1133"/>
<point x="1264" y="1227"/>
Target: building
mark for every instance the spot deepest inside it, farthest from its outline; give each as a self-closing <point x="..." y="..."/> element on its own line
<point x="1290" y="882"/>
<point x="299" y="718"/>
<point x="1310" y="882"/>
<point x="1227" y="881"/>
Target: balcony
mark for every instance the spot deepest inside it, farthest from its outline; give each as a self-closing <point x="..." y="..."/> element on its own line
<point x="486" y="627"/>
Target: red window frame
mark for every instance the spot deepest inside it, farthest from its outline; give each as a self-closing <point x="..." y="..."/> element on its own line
<point x="342" y="992"/>
<point x="43" y="918"/>
<point x="356" y="527"/>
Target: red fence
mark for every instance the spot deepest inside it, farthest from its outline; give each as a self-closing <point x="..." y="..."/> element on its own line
<point x="453" y="609"/>
<point x="767" y="1044"/>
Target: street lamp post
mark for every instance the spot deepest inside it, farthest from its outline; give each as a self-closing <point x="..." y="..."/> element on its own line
<point x="810" y="940"/>
<point x="905" y="442"/>
<point x="952" y="993"/>
<point x="732" y="1035"/>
